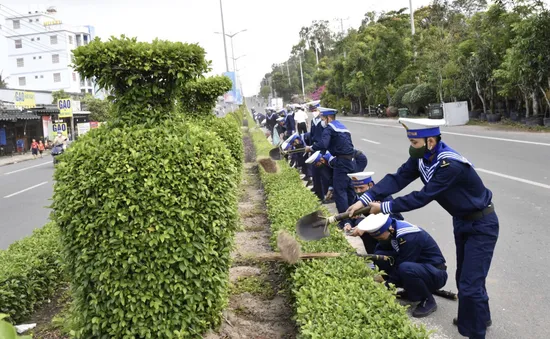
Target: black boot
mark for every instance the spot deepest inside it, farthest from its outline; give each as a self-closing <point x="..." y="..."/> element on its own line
<point x="425" y="308"/>
<point x="487" y="324"/>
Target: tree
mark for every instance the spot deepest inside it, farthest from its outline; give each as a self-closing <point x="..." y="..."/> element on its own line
<point x="99" y="109"/>
<point x="61" y="94"/>
<point x="200" y="96"/>
<point x="422" y="95"/>
<point x="265" y="91"/>
<point x="3" y="83"/>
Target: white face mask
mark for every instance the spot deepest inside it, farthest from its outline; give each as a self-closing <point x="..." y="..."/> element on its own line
<point x="315" y="114"/>
<point x="323" y="123"/>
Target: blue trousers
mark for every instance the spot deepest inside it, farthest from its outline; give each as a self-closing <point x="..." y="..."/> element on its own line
<point x="360" y="162"/>
<point x="344" y="194"/>
<point x="475" y="243"/>
<point x="318" y="183"/>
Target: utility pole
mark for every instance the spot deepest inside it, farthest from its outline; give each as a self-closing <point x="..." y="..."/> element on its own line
<point x="302" y="76"/>
<point x="412" y="16"/>
<point x="288" y="73"/>
<point x="224" y="44"/>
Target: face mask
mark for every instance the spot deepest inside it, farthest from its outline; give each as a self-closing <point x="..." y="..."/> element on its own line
<point x="323" y="123"/>
<point x="417" y="153"/>
<point x="385" y="243"/>
<point x="315" y="114"/>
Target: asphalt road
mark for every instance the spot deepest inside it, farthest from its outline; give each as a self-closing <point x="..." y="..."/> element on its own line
<point x="25" y="190"/>
<point x="515" y="166"/>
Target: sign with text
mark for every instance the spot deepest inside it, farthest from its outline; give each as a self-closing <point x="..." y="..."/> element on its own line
<point x="60" y="127"/>
<point x="24" y="99"/>
<point x="65" y="108"/>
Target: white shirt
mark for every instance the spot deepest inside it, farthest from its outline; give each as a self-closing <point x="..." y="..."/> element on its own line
<point x="300" y="116"/>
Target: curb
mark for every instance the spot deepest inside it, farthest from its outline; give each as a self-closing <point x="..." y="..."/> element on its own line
<point x="18" y="161"/>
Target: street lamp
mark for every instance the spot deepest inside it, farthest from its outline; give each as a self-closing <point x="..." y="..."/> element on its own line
<point x="232" y="50"/>
<point x="224" y="44"/>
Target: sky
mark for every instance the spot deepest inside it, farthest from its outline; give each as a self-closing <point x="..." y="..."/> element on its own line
<point x="271" y="26"/>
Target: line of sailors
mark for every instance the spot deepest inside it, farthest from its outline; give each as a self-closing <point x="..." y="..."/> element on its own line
<point x="449" y="178"/>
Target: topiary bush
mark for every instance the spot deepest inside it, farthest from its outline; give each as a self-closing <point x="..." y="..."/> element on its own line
<point x="200" y="96"/>
<point x="146" y="212"/>
<point x="30" y="272"/>
<point x="333" y="298"/>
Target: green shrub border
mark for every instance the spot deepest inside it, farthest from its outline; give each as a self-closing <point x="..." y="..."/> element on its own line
<point x="337" y="297"/>
<point x="30" y="272"/>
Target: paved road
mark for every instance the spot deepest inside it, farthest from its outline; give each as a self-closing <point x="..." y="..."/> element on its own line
<point x="515" y="166"/>
<point x="25" y="190"/>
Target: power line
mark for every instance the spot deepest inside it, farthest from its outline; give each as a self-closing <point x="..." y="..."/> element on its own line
<point x="38" y="46"/>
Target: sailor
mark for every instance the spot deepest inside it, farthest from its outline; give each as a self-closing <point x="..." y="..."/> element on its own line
<point x="337" y="140"/>
<point x="290" y="124"/>
<point x="320" y="182"/>
<point x="362" y="182"/>
<point x="419" y="266"/>
<point x="451" y="180"/>
<point x="271" y="119"/>
<point x="320" y="164"/>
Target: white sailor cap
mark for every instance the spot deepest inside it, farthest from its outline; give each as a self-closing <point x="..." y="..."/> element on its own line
<point x="280" y="119"/>
<point x="375" y="224"/>
<point x="422" y="128"/>
<point x="360" y="178"/>
<point x="315" y="157"/>
<point x="288" y="142"/>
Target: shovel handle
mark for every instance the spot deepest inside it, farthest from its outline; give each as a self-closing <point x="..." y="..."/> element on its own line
<point x="345" y="215"/>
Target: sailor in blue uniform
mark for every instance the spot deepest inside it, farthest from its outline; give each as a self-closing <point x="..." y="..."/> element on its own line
<point x="320" y="182"/>
<point x="320" y="163"/>
<point x="419" y="266"/>
<point x="360" y="160"/>
<point x="452" y="181"/>
<point x="337" y="140"/>
<point x="362" y="182"/>
<point x="290" y="124"/>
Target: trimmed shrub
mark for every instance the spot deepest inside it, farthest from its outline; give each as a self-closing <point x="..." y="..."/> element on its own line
<point x="200" y="96"/>
<point x="30" y="271"/>
<point x="146" y="249"/>
<point x="333" y="298"/>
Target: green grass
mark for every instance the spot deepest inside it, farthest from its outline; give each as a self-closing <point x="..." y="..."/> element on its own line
<point x="507" y="124"/>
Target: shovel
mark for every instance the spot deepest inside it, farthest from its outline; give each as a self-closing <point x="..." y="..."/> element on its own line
<point x="276" y="153"/>
<point x="314" y="226"/>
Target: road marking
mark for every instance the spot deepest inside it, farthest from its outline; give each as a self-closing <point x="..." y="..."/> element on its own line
<point x="462" y="134"/>
<point x="26" y="168"/>
<point x="525" y="181"/>
<point x="374" y="142"/>
<point x="26" y="189"/>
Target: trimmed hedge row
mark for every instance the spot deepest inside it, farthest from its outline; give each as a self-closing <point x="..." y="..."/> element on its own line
<point x="30" y="271"/>
<point x="334" y="298"/>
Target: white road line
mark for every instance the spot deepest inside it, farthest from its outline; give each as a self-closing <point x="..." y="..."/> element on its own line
<point x="26" y="189"/>
<point x="525" y="181"/>
<point x="374" y="142"/>
<point x="26" y="168"/>
<point x="462" y="134"/>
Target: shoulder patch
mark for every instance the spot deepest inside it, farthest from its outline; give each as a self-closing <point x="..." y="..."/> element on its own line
<point x="402" y="241"/>
<point x="444" y="163"/>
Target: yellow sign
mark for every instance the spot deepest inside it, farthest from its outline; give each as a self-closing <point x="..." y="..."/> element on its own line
<point x="60" y="127"/>
<point x="65" y="108"/>
<point x="24" y="99"/>
<point x="51" y="23"/>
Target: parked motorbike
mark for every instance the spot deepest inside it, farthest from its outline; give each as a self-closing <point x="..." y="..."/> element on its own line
<point x="57" y="150"/>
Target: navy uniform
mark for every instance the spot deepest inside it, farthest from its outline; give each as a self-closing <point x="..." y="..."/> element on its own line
<point x="320" y="182"/>
<point x="362" y="182"/>
<point x="360" y="160"/>
<point x="320" y="163"/>
<point x="290" y="124"/>
<point x="452" y="181"/>
<point x="337" y="140"/>
<point x="271" y="120"/>
<point x="419" y="265"/>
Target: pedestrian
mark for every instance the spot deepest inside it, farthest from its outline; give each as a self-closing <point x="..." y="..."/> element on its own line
<point x="34" y="148"/>
<point x="41" y="147"/>
<point x="362" y="182"/>
<point x="337" y="140"/>
<point x="451" y="180"/>
<point x="419" y="266"/>
<point x="300" y="117"/>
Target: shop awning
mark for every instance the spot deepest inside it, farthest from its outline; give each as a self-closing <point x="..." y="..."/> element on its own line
<point x="14" y="116"/>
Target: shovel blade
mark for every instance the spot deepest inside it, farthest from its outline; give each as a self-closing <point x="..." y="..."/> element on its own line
<point x="312" y="227"/>
<point x="275" y="154"/>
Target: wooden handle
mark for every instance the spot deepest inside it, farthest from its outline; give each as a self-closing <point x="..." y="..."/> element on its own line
<point x="345" y="215"/>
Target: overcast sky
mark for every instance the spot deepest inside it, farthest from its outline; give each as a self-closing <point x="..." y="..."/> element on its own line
<point x="272" y="26"/>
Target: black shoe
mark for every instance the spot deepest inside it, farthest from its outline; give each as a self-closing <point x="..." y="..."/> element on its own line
<point x="326" y="202"/>
<point x="425" y="308"/>
<point x="487" y="324"/>
<point x="403" y="294"/>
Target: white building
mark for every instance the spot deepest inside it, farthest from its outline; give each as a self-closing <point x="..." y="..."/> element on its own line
<point x="40" y="52"/>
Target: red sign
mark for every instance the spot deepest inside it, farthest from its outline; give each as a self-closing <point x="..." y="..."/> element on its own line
<point x="94" y="124"/>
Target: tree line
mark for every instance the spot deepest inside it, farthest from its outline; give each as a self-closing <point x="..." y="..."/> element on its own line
<point x="495" y="56"/>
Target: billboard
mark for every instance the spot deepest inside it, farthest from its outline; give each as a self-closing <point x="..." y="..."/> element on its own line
<point x="231" y="96"/>
<point x="25" y="99"/>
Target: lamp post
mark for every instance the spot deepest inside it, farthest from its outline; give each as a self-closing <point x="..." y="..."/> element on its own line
<point x="224" y="44"/>
<point x="232" y="50"/>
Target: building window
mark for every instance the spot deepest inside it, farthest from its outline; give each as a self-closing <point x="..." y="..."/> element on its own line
<point x="37" y="39"/>
<point x="30" y="20"/>
<point x="20" y="62"/>
<point x="36" y="20"/>
<point x="83" y="91"/>
<point x="32" y="39"/>
<point x="90" y="91"/>
<point x="71" y="39"/>
<point x="53" y="40"/>
<point x="16" y="24"/>
<point x="22" y="81"/>
<point x="36" y="76"/>
<point x="89" y="82"/>
<point x="18" y="43"/>
<point x="74" y="76"/>
<point x="55" y="58"/>
<point x="34" y="58"/>
<point x="82" y="82"/>
<point x="40" y="57"/>
<point x="57" y="77"/>
<point x="41" y="77"/>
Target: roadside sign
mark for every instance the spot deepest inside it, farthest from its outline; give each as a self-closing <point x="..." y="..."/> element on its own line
<point x="25" y="99"/>
<point x="65" y="108"/>
<point x="60" y="127"/>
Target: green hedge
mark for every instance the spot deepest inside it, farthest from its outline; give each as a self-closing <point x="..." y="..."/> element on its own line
<point x="147" y="217"/>
<point x="334" y="298"/>
<point x="30" y="271"/>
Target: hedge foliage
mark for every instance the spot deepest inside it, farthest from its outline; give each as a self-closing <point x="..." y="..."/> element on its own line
<point x="334" y="298"/>
<point x="200" y="96"/>
<point x="30" y="271"/>
<point x="145" y="246"/>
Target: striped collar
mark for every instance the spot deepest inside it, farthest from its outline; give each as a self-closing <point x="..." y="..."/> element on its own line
<point x="339" y="127"/>
<point x="443" y="152"/>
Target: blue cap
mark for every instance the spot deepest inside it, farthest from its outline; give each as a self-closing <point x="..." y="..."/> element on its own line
<point x="328" y="157"/>
<point x="314" y="158"/>
<point x="422" y="128"/>
<point x="288" y="142"/>
<point x="375" y="224"/>
<point x="327" y="111"/>
<point x="361" y="178"/>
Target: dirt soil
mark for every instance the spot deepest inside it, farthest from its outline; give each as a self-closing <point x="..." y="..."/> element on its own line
<point x="49" y="317"/>
<point x="258" y="306"/>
